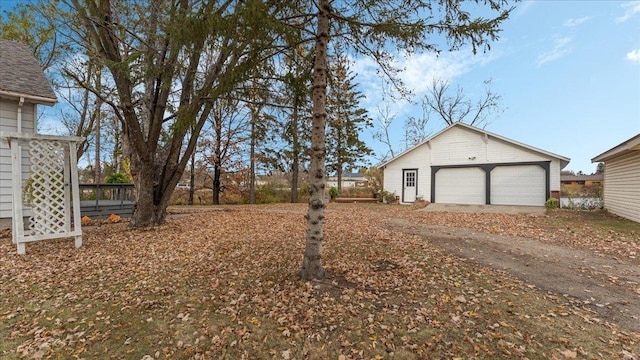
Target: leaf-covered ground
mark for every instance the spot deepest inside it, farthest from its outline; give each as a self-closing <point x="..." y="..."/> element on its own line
<point x="222" y="283"/>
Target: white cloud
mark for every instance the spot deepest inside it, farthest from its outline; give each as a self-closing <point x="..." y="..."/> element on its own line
<point x="634" y="55"/>
<point x="559" y="50"/>
<point x="631" y="8"/>
<point x="422" y="69"/>
<point x="418" y="73"/>
<point x="522" y="8"/>
<point x="576" y="22"/>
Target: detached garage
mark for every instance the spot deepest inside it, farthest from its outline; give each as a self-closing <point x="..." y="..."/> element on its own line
<point x="463" y="164"/>
<point x="622" y="178"/>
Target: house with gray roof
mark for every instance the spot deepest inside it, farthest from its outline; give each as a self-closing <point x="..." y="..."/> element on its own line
<point x="23" y="87"/>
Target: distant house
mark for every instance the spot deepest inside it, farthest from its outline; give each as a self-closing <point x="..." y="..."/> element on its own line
<point x="463" y="164"/>
<point x="622" y="178"/>
<point x="23" y="87"/>
<point x="348" y="180"/>
<point x="586" y="180"/>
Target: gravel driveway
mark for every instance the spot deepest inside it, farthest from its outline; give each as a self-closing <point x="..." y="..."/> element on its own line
<point x="608" y="286"/>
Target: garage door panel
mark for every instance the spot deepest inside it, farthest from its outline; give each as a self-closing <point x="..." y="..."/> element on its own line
<point x="518" y="185"/>
<point x="460" y="186"/>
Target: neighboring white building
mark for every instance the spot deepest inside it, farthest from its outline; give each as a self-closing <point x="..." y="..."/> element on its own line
<point x="466" y="165"/>
<point x="348" y="180"/>
<point x="23" y="87"/>
<point x="622" y="178"/>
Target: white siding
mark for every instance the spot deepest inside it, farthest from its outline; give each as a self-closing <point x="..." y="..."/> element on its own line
<point x="622" y="186"/>
<point x="8" y="122"/>
<point x="499" y="151"/>
<point x="462" y="146"/>
<point x="458" y="146"/>
<point x="416" y="159"/>
<point x="554" y="176"/>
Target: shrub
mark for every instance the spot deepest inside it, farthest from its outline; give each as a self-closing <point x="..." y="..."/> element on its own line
<point x="552" y="203"/>
<point x="389" y="198"/>
<point x="118" y="178"/>
<point x="333" y="192"/>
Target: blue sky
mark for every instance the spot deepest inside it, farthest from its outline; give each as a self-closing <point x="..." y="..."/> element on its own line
<point x="568" y="73"/>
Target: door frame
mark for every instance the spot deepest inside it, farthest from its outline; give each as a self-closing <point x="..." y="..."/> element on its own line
<point x="404" y="172"/>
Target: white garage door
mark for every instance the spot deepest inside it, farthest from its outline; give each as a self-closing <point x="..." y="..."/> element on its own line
<point x="518" y="185"/>
<point x="460" y="186"/>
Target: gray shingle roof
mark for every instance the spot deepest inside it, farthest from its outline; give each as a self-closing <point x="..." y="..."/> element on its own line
<point x="21" y="74"/>
<point x="592" y="177"/>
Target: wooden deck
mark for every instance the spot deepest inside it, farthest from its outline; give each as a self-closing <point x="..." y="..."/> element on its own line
<point x="98" y="201"/>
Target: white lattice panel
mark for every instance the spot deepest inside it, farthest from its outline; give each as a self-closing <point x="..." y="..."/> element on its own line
<point x="46" y="188"/>
<point x="49" y="190"/>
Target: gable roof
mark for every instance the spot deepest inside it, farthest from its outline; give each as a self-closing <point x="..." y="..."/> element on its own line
<point x="632" y="144"/>
<point x="21" y="75"/>
<point x="563" y="160"/>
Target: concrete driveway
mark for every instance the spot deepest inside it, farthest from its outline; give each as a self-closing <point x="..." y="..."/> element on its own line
<point x="497" y="209"/>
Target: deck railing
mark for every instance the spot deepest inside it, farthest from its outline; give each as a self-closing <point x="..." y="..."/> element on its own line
<point x="102" y="200"/>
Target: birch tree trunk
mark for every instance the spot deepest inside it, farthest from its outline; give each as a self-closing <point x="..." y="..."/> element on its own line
<point x="312" y="261"/>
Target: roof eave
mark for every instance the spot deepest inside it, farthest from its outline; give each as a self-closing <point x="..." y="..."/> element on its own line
<point x="564" y="161"/>
<point x="381" y="166"/>
<point x="33" y="98"/>
<point x="632" y="144"/>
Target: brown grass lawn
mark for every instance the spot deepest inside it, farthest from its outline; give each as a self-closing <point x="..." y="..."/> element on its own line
<point x="223" y="283"/>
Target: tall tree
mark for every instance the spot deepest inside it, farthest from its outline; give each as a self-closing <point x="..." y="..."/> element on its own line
<point x="456" y="106"/>
<point x="79" y="117"/>
<point x="226" y="131"/>
<point x="346" y="118"/>
<point x="369" y="27"/>
<point x="382" y="131"/>
<point x="294" y="108"/>
<point x="416" y="127"/>
<point x="168" y="61"/>
<point x="256" y="94"/>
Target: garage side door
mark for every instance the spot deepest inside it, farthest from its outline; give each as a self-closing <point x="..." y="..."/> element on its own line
<point x="460" y="186"/>
<point x="518" y="185"/>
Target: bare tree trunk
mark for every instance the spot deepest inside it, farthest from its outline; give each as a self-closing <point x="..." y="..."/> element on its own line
<point x="192" y="183"/>
<point x="118" y="149"/>
<point x="338" y="152"/>
<point x="312" y="261"/>
<point x="252" y="155"/>
<point x="295" y="173"/>
<point x="295" y="167"/>
<point x="97" y="175"/>
<point x="151" y="205"/>
<point x="339" y="178"/>
<point x="217" y="157"/>
<point x="216" y="184"/>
